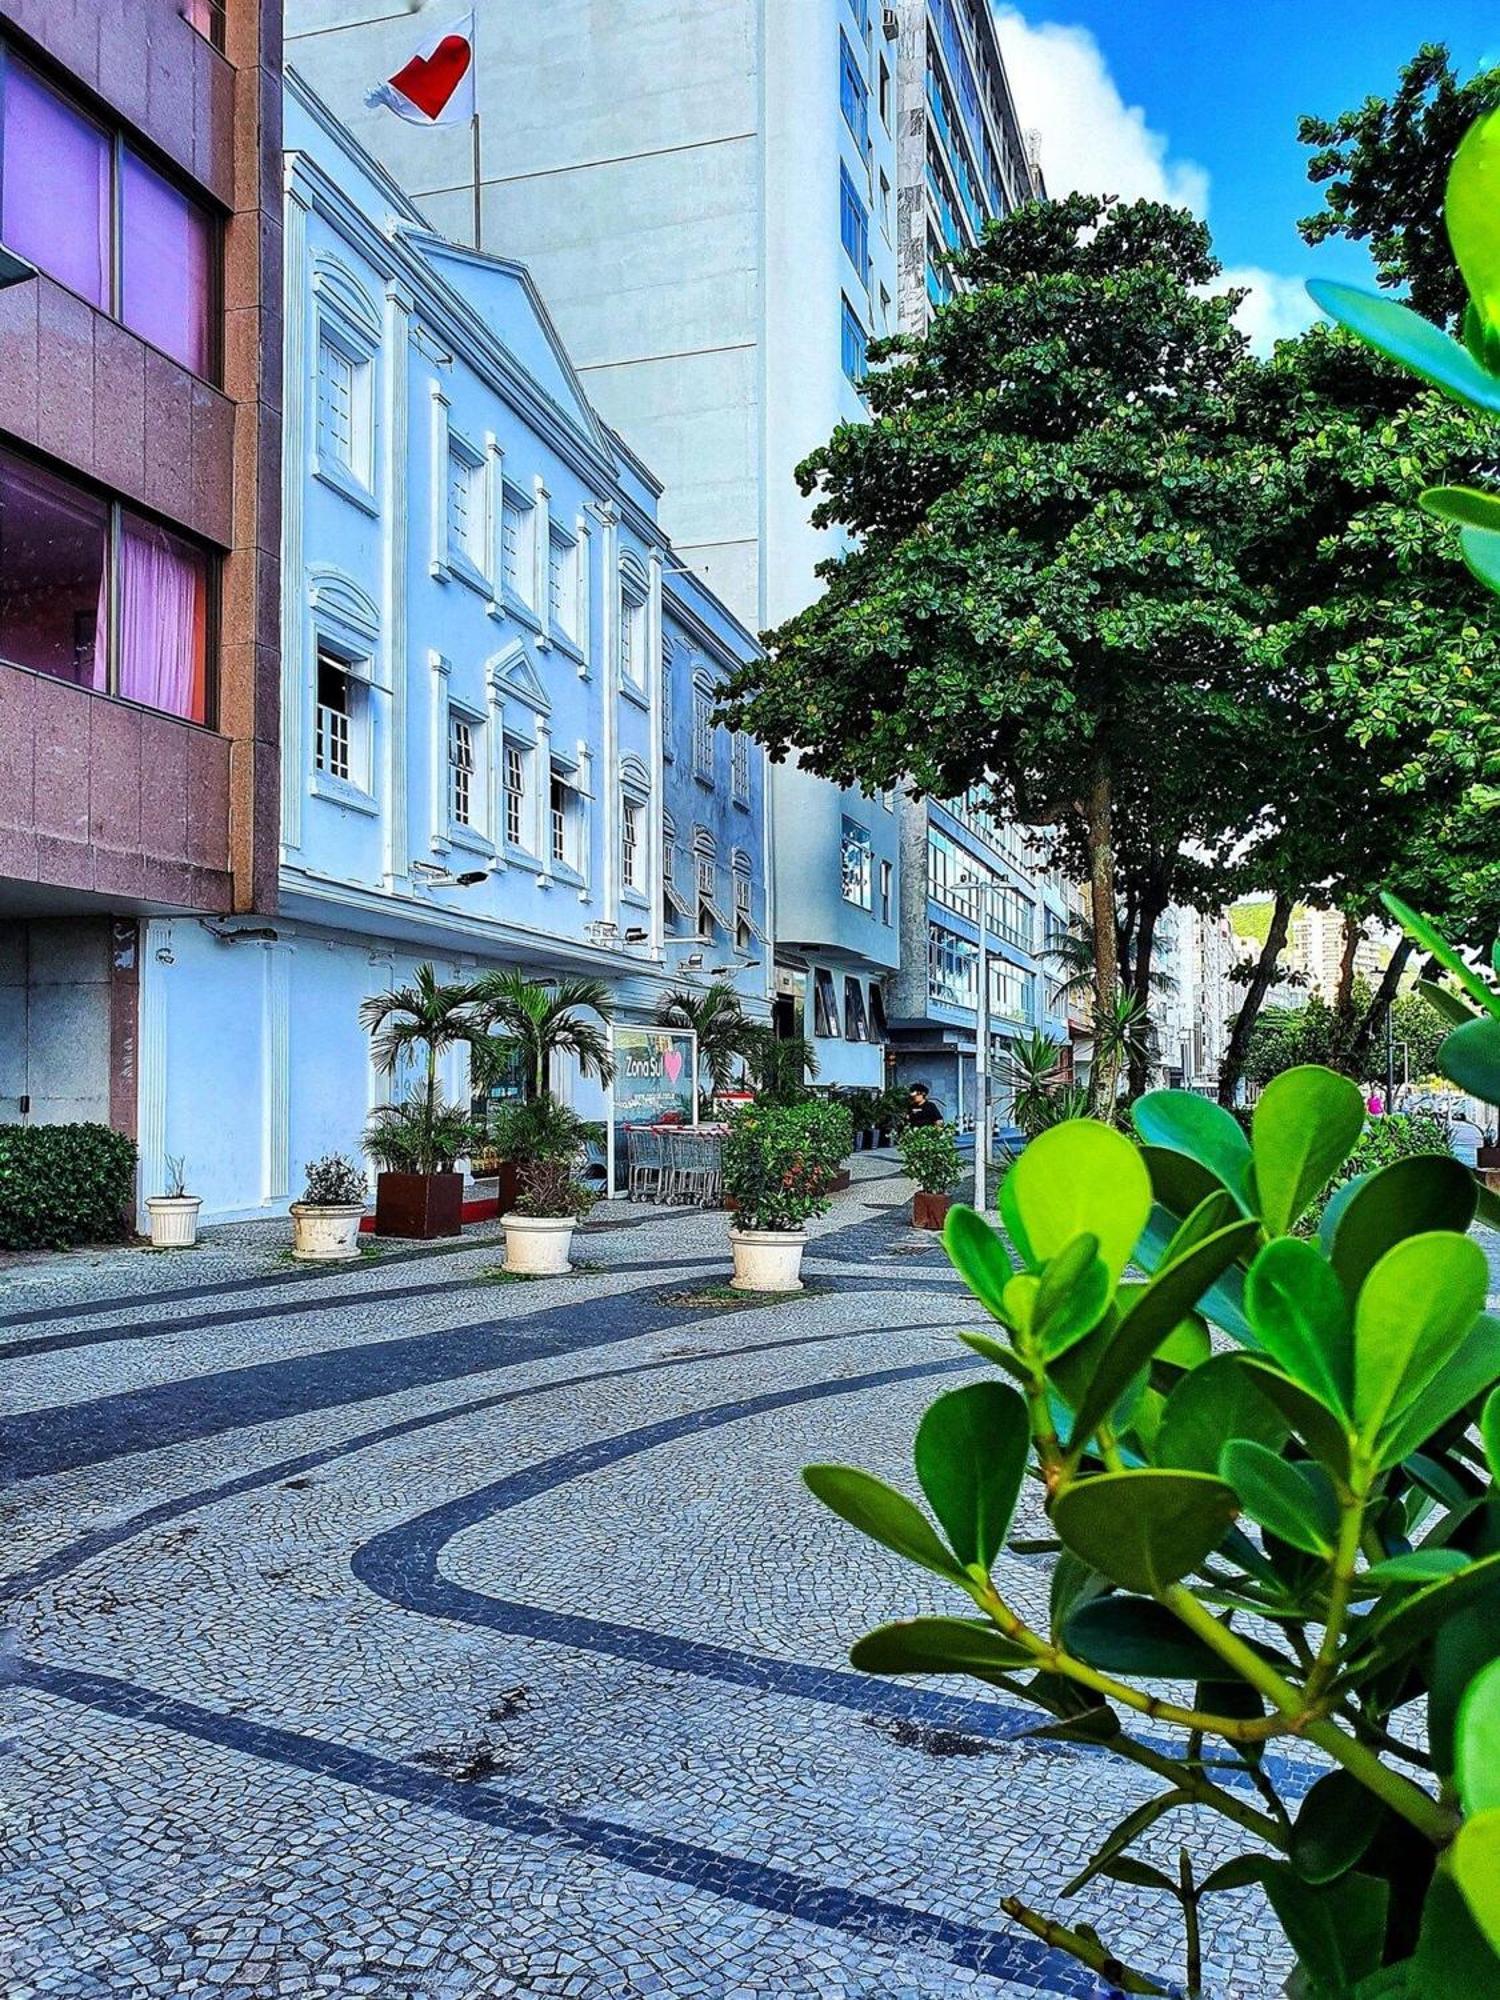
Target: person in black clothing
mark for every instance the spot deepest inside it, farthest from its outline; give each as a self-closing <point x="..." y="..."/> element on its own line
<point x="922" y="1107"/>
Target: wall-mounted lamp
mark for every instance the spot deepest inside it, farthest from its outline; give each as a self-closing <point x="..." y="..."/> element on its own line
<point x="222" y="935"/>
<point x="438" y="877"/>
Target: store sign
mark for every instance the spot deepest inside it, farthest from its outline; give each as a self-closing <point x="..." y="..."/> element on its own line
<point x="655" y="1078"/>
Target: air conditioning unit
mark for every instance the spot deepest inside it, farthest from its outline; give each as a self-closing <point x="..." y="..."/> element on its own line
<point x="890" y="23"/>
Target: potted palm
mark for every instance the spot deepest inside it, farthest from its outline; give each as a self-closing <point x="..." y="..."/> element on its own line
<point x="780" y="1165"/>
<point x="930" y="1157"/>
<point x="542" y="1020"/>
<point x="725" y="1035"/>
<point x="174" y="1215"/>
<point x="325" y="1222"/>
<point x="544" y="1140"/>
<point x="418" y="1141"/>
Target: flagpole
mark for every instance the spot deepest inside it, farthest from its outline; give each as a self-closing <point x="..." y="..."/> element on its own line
<point x="478" y="209"/>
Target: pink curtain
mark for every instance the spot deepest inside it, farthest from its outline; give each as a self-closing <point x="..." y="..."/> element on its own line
<point x="56" y="167"/>
<point x="163" y="605"/>
<point x="165" y="254"/>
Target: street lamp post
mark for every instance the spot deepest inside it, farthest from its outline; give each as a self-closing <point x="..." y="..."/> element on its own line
<point x="981" y="890"/>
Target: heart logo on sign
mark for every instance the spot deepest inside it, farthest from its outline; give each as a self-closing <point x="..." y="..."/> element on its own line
<point x="671" y="1062"/>
<point x="429" y="81"/>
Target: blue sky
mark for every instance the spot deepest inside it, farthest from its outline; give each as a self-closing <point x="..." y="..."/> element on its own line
<point x="1200" y="102"/>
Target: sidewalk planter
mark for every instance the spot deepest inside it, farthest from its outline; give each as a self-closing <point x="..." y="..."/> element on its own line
<point x="174" y="1220"/>
<point x="326" y="1235"/>
<point x="767" y="1260"/>
<point x="930" y="1211"/>
<point x="421" y="1205"/>
<point x="538" y="1246"/>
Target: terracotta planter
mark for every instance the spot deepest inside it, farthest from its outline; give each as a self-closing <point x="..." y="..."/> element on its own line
<point x="503" y="1174"/>
<point x="929" y="1211"/>
<point x="767" y="1260"/>
<point x="327" y="1234"/>
<point x="537" y="1246"/>
<point x="1487" y="1156"/>
<point x="174" y="1220"/>
<point x="422" y="1205"/>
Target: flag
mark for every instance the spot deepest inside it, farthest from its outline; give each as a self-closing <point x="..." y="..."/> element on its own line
<point x="435" y="86"/>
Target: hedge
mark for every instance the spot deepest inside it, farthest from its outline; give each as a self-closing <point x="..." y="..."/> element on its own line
<point x="64" y="1184"/>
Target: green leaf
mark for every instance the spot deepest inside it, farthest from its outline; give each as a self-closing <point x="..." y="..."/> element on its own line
<point x="1145" y="1529"/>
<point x="1463" y="1377"/>
<point x="1470" y="1057"/>
<point x="1417" y="1566"/>
<point x="883" y="1514"/>
<point x="1325" y="1434"/>
<point x="1306" y="1124"/>
<point x="1140" y="1875"/>
<point x="1481" y="551"/>
<point x="939" y="1646"/>
<point x="1154" y="1312"/>
<point x="1183" y="1122"/>
<point x="1443" y="1000"/>
<point x="977" y="1254"/>
<point x="994" y="1350"/>
<point x="1403" y="335"/>
<point x="1136" y="1822"/>
<point x="1073" y="1296"/>
<point x="1136" y="1635"/>
<point x="1452" y="1960"/>
<point x="1188" y="1345"/>
<point x="1337" y="1929"/>
<point x="1236" y="1874"/>
<point x="1477" y="1744"/>
<point x="1076" y="1177"/>
<point x="1294" y="1501"/>
<point x="971" y="1451"/>
<point x="1471" y="209"/>
<point x="1179" y="1184"/>
<point x="1333" y="1828"/>
<point x="1407" y="1198"/>
<point x="1465" y="505"/>
<point x="1437" y="947"/>
<point x="1413" y="1311"/>
<point x="1398" y="1627"/>
<point x="1489" y="1430"/>
<point x="1300" y="1314"/>
<point x="1073" y="1584"/>
<point x="1475" y="1860"/>
<point x="1220" y="1400"/>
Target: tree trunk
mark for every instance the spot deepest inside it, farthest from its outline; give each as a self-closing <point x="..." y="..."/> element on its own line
<point x="1098" y="815"/>
<point x="1138" y="1076"/>
<point x="1363" y="1039"/>
<point x="1343" y="999"/>
<point x="1262" y="980"/>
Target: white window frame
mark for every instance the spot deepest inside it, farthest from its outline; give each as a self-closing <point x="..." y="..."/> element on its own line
<point x="739" y="764"/>
<point x="468" y="779"/>
<point x="514" y="762"/>
<point x="518" y="548"/>
<point x="855" y="839"/>
<point x="346" y="324"/>
<point x="467" y="554"/>
<point x="349" y="748"/>
<point x="562" y="585"/>
<point x="704" y="731"/>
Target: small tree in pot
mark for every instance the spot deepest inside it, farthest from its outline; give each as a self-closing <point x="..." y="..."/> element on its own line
<point x="545" y="1141"/>
<point x="325" y="1223"/>
<point x="419" y="1141"/>
<point x="174" y="1213"/>
<point x="780" y="1164"/>
<point x="930" y="1157"/>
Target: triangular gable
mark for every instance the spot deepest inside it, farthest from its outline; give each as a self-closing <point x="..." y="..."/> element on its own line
<point x="511" y="672"/>
<point x="505" y="297"/>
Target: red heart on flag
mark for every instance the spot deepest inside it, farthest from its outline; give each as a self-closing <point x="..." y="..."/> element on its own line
<point x="429" y="81"/>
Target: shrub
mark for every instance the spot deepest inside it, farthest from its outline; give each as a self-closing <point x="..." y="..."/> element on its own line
<point x="929" y="1154"/>
<point x="416" y="1137"/>
<point x="780" y="1159"/>
<point x="551" y="1188"/>
<point x="1396" y="1136"/>
<point x="64" y="1184"/>
<point x="334" y="1182"/>
<point x="544" y="1139"/>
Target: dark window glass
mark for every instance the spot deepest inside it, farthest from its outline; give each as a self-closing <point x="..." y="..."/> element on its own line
<point x="56" y="169"/>
<point x="166" y="258"/>
<point x="54" y="576"/>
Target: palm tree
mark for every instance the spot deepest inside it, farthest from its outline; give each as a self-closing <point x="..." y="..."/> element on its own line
<point x="429" y="1017"/>
<point x="546" y="1019"/>
<point x="718" y="1019"/>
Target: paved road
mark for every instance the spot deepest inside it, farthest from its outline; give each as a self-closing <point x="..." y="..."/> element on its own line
<point x="394" y="1631"/>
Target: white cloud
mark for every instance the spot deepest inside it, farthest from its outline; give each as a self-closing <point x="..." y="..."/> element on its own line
<point x="1092" y="140"/>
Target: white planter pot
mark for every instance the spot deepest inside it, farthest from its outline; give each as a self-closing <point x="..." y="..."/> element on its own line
<point x="767" y="1260"/>
<point x="326" y="1235"/>
<point x="174" y="1220"/>
<point x="537" y="1246"/>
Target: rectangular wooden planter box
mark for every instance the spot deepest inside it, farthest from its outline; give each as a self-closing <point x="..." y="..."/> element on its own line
<point x="422" y="1205"/>
<point x="930" y="1211"/>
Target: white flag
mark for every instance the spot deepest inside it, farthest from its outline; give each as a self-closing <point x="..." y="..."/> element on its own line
<point x="436" y="85"/>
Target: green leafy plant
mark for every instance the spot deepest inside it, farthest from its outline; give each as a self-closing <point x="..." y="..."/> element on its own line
<point x="334" y="1182"/>
<point x="782" y="1067"/>
<point x="1397" y="1136"/>
<point x="717" y="1017"/>
<point x="543" y="1020"/>
<point x="545" y="1140"/>
<point x="780" y="1161"/>
<point x="64" y="1184"/>
<point x="419" y="1136"/>
<point x="930" y="1157"/>
<point x="1297" y="1522"/>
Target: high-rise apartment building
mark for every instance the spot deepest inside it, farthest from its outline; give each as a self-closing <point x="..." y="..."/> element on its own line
<point x="139" y="513"/>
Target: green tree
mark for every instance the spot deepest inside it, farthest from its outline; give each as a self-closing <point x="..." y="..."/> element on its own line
<point x="717" y="1017"/>
<point x="423" y="1021"/>
<point x="546" y="1020"/>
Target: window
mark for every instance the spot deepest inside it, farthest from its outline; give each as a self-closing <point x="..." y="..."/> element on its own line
<point x="854" y="346"/>
<point x="885" y="892"/>
<point x="335" y="403"/>
<point x="565" y="820"/>
<point x="711" y="919"/>
<point x="632" y="637"/>
<point x="885" y="218"/>
<point x="207" y="17"/>
<point x="825" y="1005"/>
<point x="854" y="94"/>
<point x="562" y="585"/>
<point x="746" y="931"/>
<point x="856" y="1026"/>
<point x="632" y="814"/>
<point x="461" y="764"/>
<point x="703" y="732"/>
<point x="134" y="624"/>
<point x="879" y="1031"/>
<point x="513" y="780"/>
<point x="668" y="705"/>
<point x="674" y="903"/>
<point x="952" y="968"/>
<point x="334" y="742"/>
<point x="466" y="507"/>
<point x="560" y="808"/>
<point x="857" y="866"/>
<point x="854" y="225"/>
<point x="70" y="191"/>
<point x="883" y="96"/>
<point x="740" y="766"/>
<point x="516" y="517"/>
